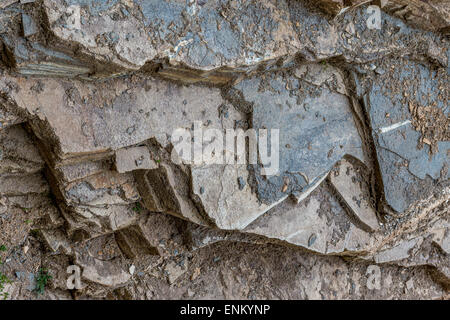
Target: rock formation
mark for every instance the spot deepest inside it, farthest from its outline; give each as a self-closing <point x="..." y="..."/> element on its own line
<point x="93" y="92"/>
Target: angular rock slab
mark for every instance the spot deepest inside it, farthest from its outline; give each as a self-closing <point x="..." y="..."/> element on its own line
<point x="137" y="158"/>
<point x="8" y="118"/>
<point x="195" y="41"/>
<point x="202" y="35"/>
<point x="319" y="224"/>
<point x="106" y="273"/>
<point x="432" y="15"/>
<point x="18" y="154"/>
<point x="229" y="205"/>
<point x="350" y="183"/>
<point x="83" y="121"/>
<point x="21" y="35"/>
<point x="349" y="37"/>
<point x="409" y="159"/>
<point x="68" y="116"/>
<point x="167" y="189"/>
<point x="399" y="252"/>
<point x="106" y="188"/>
<point x="315" y="122"/>
<point x="205" y="193"/>
<point x="98" y="204"/>
<point x="84" y="223"/>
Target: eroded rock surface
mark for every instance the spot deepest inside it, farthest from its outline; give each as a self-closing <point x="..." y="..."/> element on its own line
<point x="212" y="42"/>
<point x="408" y="109"/>
<point x="96" y="98"/>
<point x="431" y="15"/>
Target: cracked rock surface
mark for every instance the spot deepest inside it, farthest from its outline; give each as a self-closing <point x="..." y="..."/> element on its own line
<point x="91" y="93"/>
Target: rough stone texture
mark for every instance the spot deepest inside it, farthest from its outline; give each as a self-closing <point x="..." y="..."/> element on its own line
<point x="88" y="120"/>
<point x="408" y="154"/>
<point x="18" y="154"/>
<point x="8" y="118"/>
<point x="138" y="158"/>
<point x="350" y="183"/>
<point x="196" y="41"/>
<point x="90" y="173"/>
<point x="105" y="273"/>
<point x="319" y="224"/>
<point x="431" y="15"/>
<point x="349" y="36"/>
<point x="199" y="35"/>
<point x="311" y="113"/>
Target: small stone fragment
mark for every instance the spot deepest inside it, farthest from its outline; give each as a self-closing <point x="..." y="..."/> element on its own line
<point x="137" y="158"/>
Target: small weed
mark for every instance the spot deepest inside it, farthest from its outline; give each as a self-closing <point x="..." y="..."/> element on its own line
<point x="137" y="208"/>
<point x="41" y="281"/>
<point x="3" y="280"/>
<point x="325" y="64"/>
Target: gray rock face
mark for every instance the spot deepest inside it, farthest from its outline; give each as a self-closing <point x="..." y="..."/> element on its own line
<point x="211" y="42"/>
<point x="315" y="122"/>
<point x="399" y="252"/>
<point x="131" y="159"/>
<point x="200" y="35"/>
<point x="349" y="36"/>
<point x="25" y="50"/>
<point x="353" y="186"/>
<point x="319" y="224"/>
<point x="130" y="113"/>
<point x="408" y="110"/>
<point x="347" y="125"/>
<point x="18" y="154"/>
<point x="431" y="15"/>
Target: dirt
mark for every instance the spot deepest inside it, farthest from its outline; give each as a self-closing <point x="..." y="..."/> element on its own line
<point x="433" y="125"/>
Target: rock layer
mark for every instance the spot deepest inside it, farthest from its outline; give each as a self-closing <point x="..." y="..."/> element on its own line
<point x="97" y="99"/>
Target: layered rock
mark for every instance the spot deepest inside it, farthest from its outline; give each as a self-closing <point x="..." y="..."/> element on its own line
<point x="191" y="191"/>
<point x="407" y="107"/>
<point x="311" y="110"/>
<point x="339" y="133"/>
<point x="194" y="41"/>
<point x="24" y="191"/>
<point x="198" y="35"/>
<point x="431" y="15"/>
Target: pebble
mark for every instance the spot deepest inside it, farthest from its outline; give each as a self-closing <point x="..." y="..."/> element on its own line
<point x="132" y="269"/>
<point x="312" y="239"/>
<point x="241" y="183"/>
